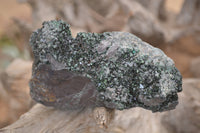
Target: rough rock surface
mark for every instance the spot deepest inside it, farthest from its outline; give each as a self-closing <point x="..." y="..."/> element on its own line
<point x="113" y="69"/>
<point x="184" y="119"/>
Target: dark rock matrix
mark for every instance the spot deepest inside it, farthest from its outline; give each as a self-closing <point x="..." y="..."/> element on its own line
<point x="116" y="70"/>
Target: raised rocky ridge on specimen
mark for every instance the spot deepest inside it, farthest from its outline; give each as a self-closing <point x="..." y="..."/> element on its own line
<point x="113" y="69"/>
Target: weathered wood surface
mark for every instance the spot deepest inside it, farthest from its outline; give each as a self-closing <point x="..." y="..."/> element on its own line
<point x="184" y="119"/>
<point x="195" y="67"/>
<point x="189" y="14"/>
<point x="147" y="19"/>
<point x="14" y="91"/>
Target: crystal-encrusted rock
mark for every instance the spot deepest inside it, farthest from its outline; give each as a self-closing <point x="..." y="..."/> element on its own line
<point x="113" y="69"/>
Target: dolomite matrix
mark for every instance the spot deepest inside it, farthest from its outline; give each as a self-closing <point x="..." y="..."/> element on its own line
<point x="116" y="70"/>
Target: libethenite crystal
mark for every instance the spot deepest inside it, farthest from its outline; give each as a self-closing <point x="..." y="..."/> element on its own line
<point x="116" y="70"/>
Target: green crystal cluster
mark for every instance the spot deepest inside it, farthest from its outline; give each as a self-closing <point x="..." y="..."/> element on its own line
<point x="126" y="71"/>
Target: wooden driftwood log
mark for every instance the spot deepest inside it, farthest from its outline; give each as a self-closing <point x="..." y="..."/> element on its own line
<point x="14" y="91"/>
<point x="148" y="19"/>
<point x="184" y="119"/>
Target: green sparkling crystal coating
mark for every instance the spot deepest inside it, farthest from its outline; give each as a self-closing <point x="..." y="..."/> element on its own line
<point x="126" y="71"/>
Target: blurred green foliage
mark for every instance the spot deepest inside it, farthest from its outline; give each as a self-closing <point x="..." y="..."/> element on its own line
<point x="5" y="41"/>
<point x="10" y="51"/>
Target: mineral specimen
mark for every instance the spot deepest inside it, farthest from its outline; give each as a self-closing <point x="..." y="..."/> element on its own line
<point x="113" y="69"/>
